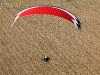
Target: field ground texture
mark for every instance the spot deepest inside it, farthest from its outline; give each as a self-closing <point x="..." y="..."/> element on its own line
<point x="23" y="46"/>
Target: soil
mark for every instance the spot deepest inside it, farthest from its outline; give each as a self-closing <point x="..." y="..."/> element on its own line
<point x="71" y="52"/>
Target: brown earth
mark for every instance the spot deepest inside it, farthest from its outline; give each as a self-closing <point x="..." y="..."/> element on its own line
<point x="23" y="46"/>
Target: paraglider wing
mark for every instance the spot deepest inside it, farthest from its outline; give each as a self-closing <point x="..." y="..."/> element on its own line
<point x="49" y="10"/>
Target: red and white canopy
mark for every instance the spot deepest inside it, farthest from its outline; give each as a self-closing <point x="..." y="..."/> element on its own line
<point x="49" y="10"/>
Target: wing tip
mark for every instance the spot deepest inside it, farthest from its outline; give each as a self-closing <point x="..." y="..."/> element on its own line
<point x="79" y="24"/>
<point x="80" y="28"/>
<point x="12" y="24"/>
